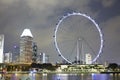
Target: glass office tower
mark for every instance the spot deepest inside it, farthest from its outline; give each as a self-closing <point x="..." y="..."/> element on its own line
<point x="26" y="49"/>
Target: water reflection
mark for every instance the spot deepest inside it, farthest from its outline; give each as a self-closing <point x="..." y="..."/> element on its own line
<point x="100" y="77"/>
<point x="32" y="75"/>
<point x="14" y="77"/>
<point x="70" y="77"/>
<point x="60" y="77"/>
<point x="44" y="77"/>
<point x="40" y="76"/>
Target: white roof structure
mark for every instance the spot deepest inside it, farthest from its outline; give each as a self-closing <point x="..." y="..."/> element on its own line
<point x="27" y="32"/>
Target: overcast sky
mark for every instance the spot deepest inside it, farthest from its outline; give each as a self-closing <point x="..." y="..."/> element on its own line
<point x="41" y="17"/>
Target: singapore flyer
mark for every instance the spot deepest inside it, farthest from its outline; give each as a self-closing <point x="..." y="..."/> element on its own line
<point x="78" y="27"/>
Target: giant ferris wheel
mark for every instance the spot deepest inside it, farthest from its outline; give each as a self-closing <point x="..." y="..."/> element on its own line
<point x="85" y="29"/>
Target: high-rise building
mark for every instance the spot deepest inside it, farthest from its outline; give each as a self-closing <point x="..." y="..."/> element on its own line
<point x="43" y="58"/>
<point x="16" y="53"/>
<point x="88" y="58"/>
<point x="47" y="59"/>
<point x="26" y="49"/>
<point x="34" y="56"/>
<point x="1" y="48"/>
<point x="8" y="57"/>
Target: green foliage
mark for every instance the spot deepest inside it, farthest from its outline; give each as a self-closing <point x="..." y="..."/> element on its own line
<point x="47" y="66"/>
<point x="113" y="66"/>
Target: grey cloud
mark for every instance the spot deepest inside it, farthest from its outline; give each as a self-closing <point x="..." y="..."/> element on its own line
<point x="105" y="9"/>
<point x="41" y="17"/>
<point x="108" y="3"/>
<point x="112" y="39"/>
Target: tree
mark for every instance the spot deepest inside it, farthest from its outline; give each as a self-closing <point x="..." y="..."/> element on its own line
<point x="113" y="66"/>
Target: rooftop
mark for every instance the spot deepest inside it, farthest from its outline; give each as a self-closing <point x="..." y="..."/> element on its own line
<point x="26" y="32"/>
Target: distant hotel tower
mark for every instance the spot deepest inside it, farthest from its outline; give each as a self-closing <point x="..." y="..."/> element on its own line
<point x="26" y="49"/>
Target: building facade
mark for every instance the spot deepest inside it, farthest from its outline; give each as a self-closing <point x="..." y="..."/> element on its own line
<point x="42" y="58"/>
<point x="1" y="48"/>
<point x="88" y="58"/>
<point x="8" y="57"/>
<point x="34" y="56"/>
<point x="26" y="49"/>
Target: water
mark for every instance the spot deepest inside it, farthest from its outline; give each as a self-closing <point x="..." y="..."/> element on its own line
<point x="40" y="76"/>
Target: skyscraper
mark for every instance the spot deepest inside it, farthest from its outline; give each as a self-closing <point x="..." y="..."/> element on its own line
<point x="34" y="56"/>
<point x="42" y="58"/>
<point x="1" y="48"/>
<point x="26" y="49"/>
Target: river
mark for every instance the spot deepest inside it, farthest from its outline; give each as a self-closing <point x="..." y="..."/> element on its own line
<point x="40" y="76"/>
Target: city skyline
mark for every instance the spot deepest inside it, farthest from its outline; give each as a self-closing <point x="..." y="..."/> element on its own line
<point x="41" y="18"/>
